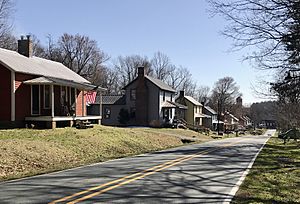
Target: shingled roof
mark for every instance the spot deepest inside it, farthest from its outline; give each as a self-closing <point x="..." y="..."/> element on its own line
<point x="38" y="66"/>
<point x="160" y="84"/>
<point x="112" y="99"/>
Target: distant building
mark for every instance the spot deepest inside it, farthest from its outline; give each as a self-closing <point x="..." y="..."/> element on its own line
<point x="212" y="121"/>
<point x="193" y="115"/>
<point x="148" y="102"/>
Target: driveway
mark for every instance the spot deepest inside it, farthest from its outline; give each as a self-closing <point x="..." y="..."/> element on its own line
<point x="200" y="173"/>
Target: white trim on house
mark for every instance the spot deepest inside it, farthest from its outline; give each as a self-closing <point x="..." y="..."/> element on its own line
<point x="82" y="111"/>
<point x="75" y="90"/>
<point x="62" y="118"/>
<point x="52" y="100"/>
<point x="13" y="96"/>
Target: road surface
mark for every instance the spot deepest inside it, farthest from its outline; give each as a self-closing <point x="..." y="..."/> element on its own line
<point x="199" y="173"/>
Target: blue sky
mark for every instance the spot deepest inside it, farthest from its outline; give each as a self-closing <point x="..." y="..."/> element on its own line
<point x="182" y="29"/>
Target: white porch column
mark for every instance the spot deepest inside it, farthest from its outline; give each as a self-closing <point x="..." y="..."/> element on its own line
<point x="13" y="95"/>
<point x="100" y="96"/>
<point x="75" y="94"/>
<point x="82" y="102"/>
<point x="52" y="100"/>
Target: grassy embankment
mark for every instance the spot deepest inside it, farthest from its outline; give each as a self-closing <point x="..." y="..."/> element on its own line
<point x="275" y="175"/>
<point x="26" y="152"/>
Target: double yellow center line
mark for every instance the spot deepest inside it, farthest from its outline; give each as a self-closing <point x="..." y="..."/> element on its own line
<point x="98" y="190"/>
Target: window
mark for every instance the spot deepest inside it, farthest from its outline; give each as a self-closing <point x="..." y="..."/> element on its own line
<point x="132" y="94"/>
<point x="164" y="96"/>
<point x="35" y="99"/>
<point x="63" y="95"/>
<point x="47" y="96"/>
<point x="171" y="97"/>
<point x="107" y="113"/>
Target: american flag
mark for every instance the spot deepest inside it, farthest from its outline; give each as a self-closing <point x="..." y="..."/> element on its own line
<point x="91" y="97"/>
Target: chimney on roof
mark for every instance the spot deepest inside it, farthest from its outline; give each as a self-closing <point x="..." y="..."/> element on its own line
<point x="141" y="71"/>
<point x="181" y="94"/>
<point x="25" y="46"/>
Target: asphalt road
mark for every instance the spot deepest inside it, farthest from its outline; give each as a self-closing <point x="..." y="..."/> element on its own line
<point x="200" y="173"/>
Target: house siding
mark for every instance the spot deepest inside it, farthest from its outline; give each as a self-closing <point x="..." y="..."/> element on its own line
<point x="190" y="113"/>
<point x="168" y="97"/>
<point x="114" y="114"/>
<point x="5" y="94"/>
<point x="23" y="96"/>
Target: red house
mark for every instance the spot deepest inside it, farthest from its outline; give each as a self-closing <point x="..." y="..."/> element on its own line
<point x="38" y="91"/>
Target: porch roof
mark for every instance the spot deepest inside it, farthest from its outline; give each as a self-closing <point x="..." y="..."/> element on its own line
<point x="171" y="104"/>
<point x="201" y="115"/>
<point x="167" y="104"/>
<point x="178" y="105"/>
<point x="62" y="82"/>
<point x="216" y="122"/>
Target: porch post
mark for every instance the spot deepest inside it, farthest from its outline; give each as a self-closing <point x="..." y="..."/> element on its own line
<point x="52" y="100"/>
<point x="100" y="112"/>
<point x="82" y="102"/>
<point x="13" y="96"/>
<point x="100" y="96"/>
<point x="75" y="94"/>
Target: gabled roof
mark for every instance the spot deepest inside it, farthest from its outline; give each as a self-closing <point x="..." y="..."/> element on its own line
<point x="160" y="84"/>
<point x="112" y="99"/>
<point x="192" y="100"/>
<point x="212" y="111"/>
<point x="38" y="66"/>
<point x="232" y="116"/>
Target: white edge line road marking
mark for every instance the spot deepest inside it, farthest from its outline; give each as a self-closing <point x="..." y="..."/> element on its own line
<point x="233" y="191"/>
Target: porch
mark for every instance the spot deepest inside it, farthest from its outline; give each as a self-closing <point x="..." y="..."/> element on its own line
<point x="59" y="103"/>
<point x="57" y="121"/>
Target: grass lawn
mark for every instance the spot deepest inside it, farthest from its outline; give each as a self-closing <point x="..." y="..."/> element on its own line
<point x="26" y="152"/>
<point x="275" y="175"/>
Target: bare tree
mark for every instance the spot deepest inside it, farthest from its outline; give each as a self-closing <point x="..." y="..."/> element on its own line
<point x="179" y="77"/>
<point x="8" y="41"/>
<point x="6" y="38"/>
<point x="202" y="94"/>
<point x="79" y="53"/>
<point x="224" y="93"/>
<point x="261" y="25"/>
<point x="161" y="66"/>
<point x="127" y="67"/>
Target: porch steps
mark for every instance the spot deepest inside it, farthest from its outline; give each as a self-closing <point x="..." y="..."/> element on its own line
<point x="83" y="124"/>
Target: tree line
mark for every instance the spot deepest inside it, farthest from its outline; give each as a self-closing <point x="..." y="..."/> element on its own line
<point x="272" y="30"/>
<point x="83" y="55"/>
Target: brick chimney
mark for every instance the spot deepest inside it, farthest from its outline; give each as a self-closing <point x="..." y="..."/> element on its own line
<point x="141" y="72"/>
<point x="25" y="46"/>
<point x="141" y="103"/>
<point x="181" y="94"/>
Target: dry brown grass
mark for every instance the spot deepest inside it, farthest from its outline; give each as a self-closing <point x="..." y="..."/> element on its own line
<point x="26" y="152"/>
